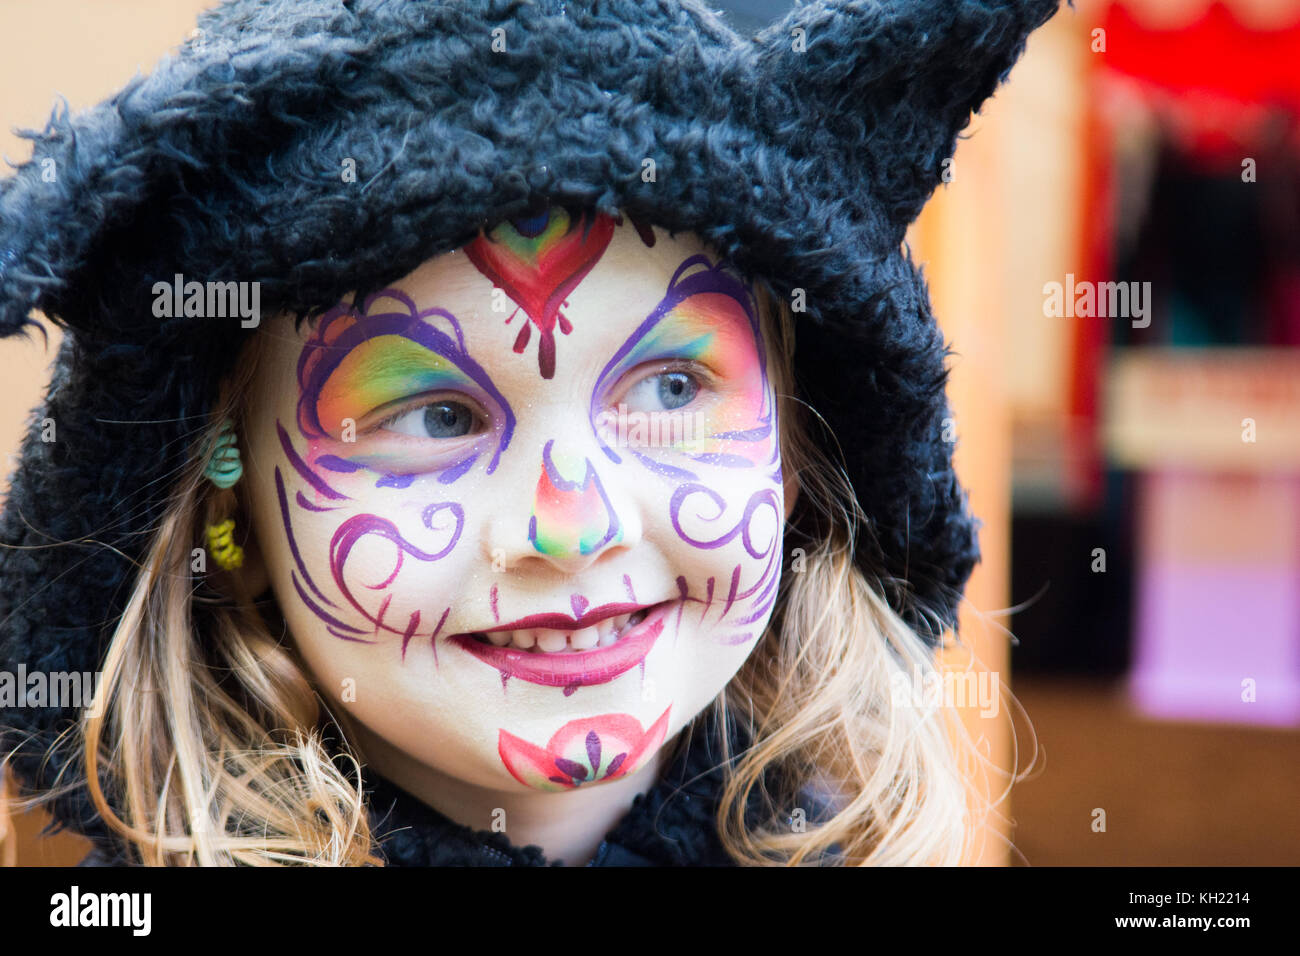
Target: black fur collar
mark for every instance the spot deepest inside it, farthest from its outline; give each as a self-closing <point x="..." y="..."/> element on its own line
<point x="672" y="824"/>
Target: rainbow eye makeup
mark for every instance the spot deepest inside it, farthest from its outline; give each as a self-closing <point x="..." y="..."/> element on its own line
<point x="704" y="336"/>
<point x="369" y="367"/>
<point x="380" y="372"/>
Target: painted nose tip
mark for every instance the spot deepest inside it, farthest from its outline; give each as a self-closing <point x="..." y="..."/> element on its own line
<point x="572" y="516"/>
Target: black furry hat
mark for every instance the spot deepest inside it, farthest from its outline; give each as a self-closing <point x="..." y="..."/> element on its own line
<point x="801" y="154"/>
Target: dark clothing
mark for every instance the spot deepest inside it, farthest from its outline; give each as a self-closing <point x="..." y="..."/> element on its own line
<point x="672" y="824"/>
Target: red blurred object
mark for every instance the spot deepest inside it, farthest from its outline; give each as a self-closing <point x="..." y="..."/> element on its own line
<point x="1216" y="78"/>
<point x="1225" y="91"/>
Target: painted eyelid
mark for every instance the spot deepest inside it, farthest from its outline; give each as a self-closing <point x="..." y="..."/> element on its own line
<point x="406" y="406"/>
<point x="628" y="380"/>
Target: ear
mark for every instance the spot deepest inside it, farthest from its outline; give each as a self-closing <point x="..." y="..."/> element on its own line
<point x="790" y="484"/>
<point x="254" y="576"/>
<point x="876" y="91"/>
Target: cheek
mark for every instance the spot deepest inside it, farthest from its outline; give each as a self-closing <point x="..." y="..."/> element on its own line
<point x="725" y="532"/>
<point x="357" y="564"/>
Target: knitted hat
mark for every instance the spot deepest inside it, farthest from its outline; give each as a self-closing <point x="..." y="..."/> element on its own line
<point x="801" y="154"/>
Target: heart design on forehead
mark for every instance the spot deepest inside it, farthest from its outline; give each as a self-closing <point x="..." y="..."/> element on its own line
<point x="538" y="261"/>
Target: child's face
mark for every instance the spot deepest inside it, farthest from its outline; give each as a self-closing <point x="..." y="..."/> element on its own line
<point x="524" y="446"/>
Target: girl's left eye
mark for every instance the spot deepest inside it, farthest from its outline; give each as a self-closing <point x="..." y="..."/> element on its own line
<point x="440" y="419"/>
<point x="664" y="391"/>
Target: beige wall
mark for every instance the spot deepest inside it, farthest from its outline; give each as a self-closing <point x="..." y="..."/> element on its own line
<point x="83" y="50"/>
<point x="987" y="240"/>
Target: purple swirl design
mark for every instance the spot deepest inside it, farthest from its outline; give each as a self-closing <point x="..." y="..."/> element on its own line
<point x="303" y="469"/>
<point x="755" y="601"/>
<point x="361" y="526"/>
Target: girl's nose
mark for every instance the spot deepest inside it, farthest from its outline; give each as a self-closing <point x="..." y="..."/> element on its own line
<point x="575" y="516"/>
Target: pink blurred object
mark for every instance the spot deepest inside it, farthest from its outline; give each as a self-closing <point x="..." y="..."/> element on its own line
<point x="1218" y="598"/>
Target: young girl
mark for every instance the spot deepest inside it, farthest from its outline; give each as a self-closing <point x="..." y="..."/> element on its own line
<point x="497" y="434"/>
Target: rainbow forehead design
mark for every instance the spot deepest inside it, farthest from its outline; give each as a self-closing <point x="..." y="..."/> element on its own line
<point x="538" y="261"/>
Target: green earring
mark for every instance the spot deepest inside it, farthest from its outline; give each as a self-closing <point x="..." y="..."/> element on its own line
<point x="224" y="468"/>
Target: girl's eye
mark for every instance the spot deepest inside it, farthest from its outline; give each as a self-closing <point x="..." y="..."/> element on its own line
<point x="663" y="392"/>
<point x="440" y="419"/>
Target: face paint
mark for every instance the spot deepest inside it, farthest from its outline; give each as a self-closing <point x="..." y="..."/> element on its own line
<point x="761" y="521"/>
<point x="604" y="747"/>
<point x="419" y="569"/>
<point x="579" y="668"/>
<point x="360" y="365"/>
<point x="568" y="515"/>
<point x="707" y="319"/>
<point x="537" y="262"/>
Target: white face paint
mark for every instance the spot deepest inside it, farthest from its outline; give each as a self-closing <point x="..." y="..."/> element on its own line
<point x="523" y="517"/>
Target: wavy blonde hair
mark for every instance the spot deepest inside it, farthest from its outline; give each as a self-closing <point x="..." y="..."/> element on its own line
<point x="215" y="748"/>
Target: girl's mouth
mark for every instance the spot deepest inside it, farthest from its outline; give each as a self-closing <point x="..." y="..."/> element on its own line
<point x="547" y="640"/>
<point x="568" y="658"/>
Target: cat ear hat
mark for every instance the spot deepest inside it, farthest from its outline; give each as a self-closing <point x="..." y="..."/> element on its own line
<point x="800" y="154"/>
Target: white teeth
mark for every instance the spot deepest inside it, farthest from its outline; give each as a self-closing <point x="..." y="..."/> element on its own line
<point x="545" y="640"/>
<point x="552" y="641"/>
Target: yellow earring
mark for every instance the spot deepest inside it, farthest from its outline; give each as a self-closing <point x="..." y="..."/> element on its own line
<point x="229" y="555"/>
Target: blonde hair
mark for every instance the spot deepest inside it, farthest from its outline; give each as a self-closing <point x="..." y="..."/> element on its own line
<point x="210" y="737"/>
<point x="819" y="694"/>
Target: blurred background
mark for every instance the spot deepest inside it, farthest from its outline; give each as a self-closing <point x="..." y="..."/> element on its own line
<point x="1116" y="263"/>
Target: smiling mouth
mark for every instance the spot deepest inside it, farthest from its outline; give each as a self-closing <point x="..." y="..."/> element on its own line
<point x="570" y="657"/>
<point x="546" y="640"/>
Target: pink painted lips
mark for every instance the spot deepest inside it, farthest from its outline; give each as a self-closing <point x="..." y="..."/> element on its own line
<point x="572" y="669"/>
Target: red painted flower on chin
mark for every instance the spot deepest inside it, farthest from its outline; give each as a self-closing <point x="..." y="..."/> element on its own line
<point x="582" y="751"/>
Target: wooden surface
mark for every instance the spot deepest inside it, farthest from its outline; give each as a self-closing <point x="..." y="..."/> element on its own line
<point x="1175" y="794"/>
